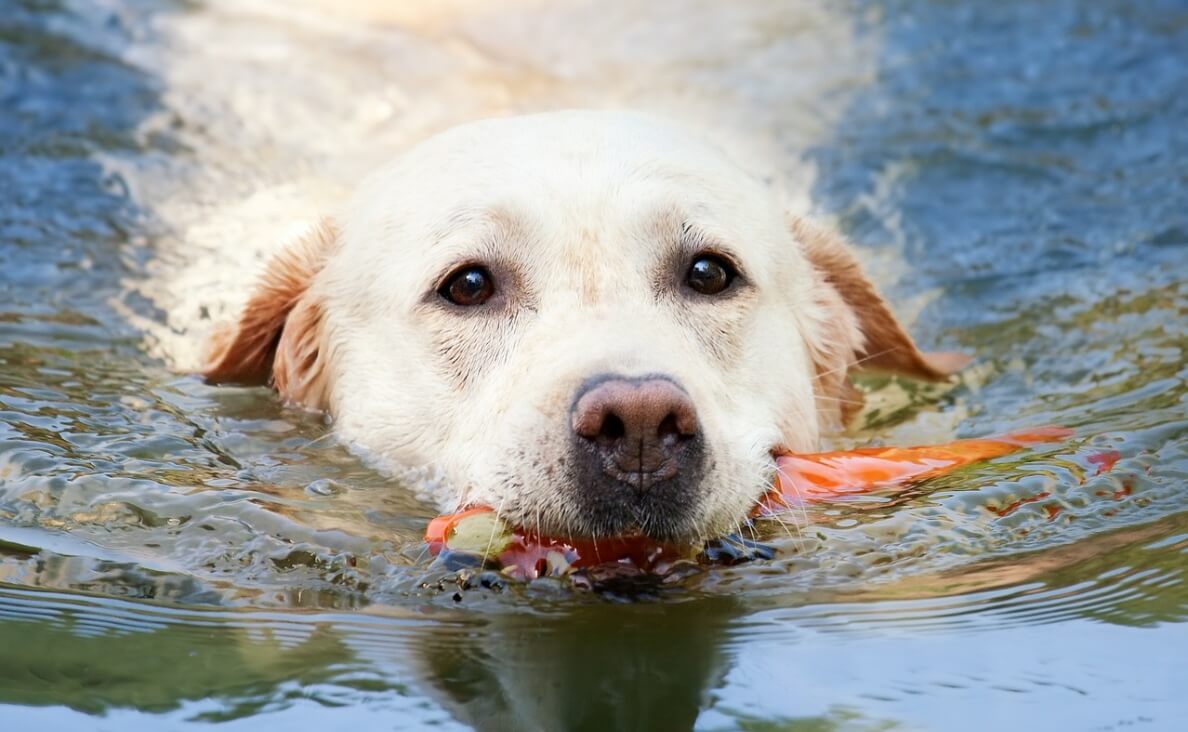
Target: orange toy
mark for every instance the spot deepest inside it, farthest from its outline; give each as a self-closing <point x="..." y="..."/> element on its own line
<point x="800" y="480"/>
<point x="817" y="477"/>
<point x="527" y="556"/>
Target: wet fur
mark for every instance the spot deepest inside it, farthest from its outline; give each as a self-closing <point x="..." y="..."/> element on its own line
<point x="588" y="221"/>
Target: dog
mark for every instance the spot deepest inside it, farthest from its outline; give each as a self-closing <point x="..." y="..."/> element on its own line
<point x="594" y="322"/>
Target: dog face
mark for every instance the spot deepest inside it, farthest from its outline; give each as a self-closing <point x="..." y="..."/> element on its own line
<point x="590" y="321"/>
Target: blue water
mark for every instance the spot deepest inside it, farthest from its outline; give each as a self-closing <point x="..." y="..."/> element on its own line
<point x="169" y="556"/>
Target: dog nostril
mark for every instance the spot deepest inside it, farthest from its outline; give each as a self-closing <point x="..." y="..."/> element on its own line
<point x="668" y="431"/>
<point x="612" y="427"/>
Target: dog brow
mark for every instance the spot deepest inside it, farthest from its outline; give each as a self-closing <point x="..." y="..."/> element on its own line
<point x="679" y="233"/>
<point x="496" y="221"/>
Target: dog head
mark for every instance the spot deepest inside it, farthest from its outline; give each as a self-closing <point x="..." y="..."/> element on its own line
<point x="591" y="321"/>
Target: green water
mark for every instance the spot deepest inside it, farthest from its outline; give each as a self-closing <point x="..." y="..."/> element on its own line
<point x="175" y="555"/>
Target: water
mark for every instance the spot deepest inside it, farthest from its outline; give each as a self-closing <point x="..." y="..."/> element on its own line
<point x="173" y="555"/>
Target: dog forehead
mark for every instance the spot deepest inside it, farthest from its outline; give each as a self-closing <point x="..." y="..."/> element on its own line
<point x="586" y="141"/>
<point x="575" y="160"/>
<point x="572" y="189"/>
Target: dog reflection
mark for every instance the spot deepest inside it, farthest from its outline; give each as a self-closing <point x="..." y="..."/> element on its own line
<point x="647" y="666"/>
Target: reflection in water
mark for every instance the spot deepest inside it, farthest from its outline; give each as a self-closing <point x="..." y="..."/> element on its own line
<point x="209" y="666"/>
<point x="503" y="672"/>
<point x="623" y="666"/>
<point x="524" y="672"/>
<point x="170" y="551"/>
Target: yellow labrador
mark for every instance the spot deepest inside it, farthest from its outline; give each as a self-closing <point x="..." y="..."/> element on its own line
<point x="592" y="321"/>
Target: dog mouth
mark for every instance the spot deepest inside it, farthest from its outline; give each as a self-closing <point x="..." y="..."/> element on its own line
<point x="666" y="512"/>
<point x="656" y="505"/>
<point x="567" y="499"/>
<point x="661" y="513"/>
<point x="642" y="480"/>
<point x="619" y="526"/>
<point x="627" y="534"/>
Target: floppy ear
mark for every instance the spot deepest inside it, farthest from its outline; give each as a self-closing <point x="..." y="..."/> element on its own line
<point x="278" y="336"/>
<point x="865" y="333"/>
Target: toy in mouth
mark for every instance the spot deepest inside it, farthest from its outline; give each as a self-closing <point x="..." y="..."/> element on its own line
<point x="477" y="536"/>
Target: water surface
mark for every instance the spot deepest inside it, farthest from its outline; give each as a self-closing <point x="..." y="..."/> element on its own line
<point x="174" y="555"/>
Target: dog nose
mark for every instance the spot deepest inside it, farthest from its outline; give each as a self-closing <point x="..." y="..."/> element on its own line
<point x="639" y="428"/>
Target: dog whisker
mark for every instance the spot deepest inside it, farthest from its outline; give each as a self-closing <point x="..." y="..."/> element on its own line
<point x="858" y="362"/>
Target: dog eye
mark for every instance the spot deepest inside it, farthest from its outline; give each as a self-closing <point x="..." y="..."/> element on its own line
<point x="468" y="287"/>
<point x="710" y="275"/>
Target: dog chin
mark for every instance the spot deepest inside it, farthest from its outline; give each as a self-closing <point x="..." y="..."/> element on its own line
<point x="554" y="498"/>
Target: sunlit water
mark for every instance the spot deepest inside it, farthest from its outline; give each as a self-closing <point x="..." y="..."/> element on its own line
<point x="174" y="554"/>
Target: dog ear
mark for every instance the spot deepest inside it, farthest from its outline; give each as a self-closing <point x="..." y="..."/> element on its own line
<point x="865" y="335"/>
<point x="278" y="337"/>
